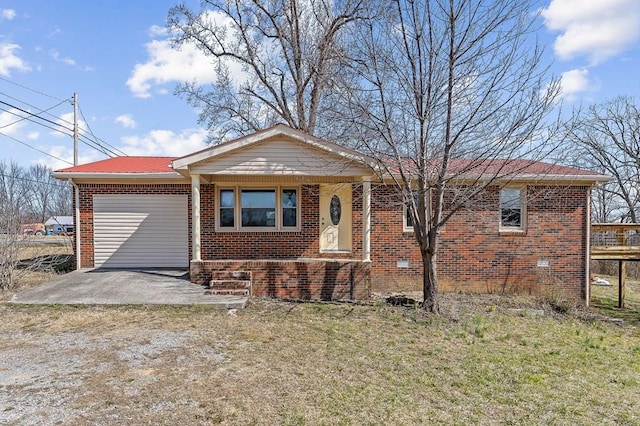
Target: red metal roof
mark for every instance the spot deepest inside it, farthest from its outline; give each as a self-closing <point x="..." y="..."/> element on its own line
<point x="465" y="167"/>
<point x="514" y="167"/>
<point x="125" y="165"/>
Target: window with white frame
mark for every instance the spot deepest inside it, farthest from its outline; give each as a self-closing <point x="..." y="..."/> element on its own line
<point x="512" y="208"/>
<point x="258" y="209"/>
<point x="407" y="219"/>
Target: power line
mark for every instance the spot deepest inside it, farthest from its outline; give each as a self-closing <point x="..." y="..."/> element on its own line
<point x="87" y="141"/>
<point x="36" y="149"/>
<point x="34" y="115"/>
<point x="35" y="107"/>
<point x="28" y="88"/>
<point x="96" y="138"/>
<point x="97" y="143"/>
<point x="25" y="118"/>
<point x="60" y="184"/>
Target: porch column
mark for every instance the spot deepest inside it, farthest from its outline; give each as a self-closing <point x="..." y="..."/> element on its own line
<point x="195" y="217"/>
<point x="366" y="220"/>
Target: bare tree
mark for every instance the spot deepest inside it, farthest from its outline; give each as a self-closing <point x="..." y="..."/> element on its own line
<point x="449" y="87"/>
<point x="26" y="197"/>
<point x="606" y="137"/>
<point x="12" y="198"/>
<point x="290" y="53"/>
<point x="41" y="190"/>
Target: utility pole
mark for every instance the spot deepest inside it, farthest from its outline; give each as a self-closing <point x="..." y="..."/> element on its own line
<point x="75" y="129"/>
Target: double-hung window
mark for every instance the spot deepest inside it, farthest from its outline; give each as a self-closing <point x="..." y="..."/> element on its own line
<point x="408" y="220"/>
<point x="258" y="209"/>
<point x="512" y="208"/>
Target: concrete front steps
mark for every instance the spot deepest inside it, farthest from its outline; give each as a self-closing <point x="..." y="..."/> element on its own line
<point x="230" y="283"/>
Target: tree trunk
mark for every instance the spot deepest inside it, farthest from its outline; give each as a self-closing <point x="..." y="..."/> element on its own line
<point x="430" y="283"/>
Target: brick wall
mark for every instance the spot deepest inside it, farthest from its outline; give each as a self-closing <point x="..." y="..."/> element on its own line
<point x="274" y="245"/>
<point x="295" y="279"/>
<point x="475" y="256"/>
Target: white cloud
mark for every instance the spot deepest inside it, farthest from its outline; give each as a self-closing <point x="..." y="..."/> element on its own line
<point x="126" y="120"/>
<point x="9" y="60"/>
<point x="65" y="60"/>
<point x="574" y="82"/>
<point x="157" y="31"/>
<point x="54" y="32"/>
<point x="596" y="29"/>
<point x="8" y="14"/>
<point x="64" y="157"/>
<point x="166" y="64"/>
<point x="10" y="122"/>
<point x="165" y="143"/>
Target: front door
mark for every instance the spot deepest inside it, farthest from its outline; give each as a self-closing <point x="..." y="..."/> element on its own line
<point x="335" y="217"/>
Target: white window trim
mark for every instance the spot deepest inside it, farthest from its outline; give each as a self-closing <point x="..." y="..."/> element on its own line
<point x="407" y="228"/>
<point x="523" y="210"/>
<point x="237" y="210"/>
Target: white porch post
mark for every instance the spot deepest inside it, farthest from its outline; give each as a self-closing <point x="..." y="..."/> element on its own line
<point x="195" y="217"/>
<point x="366" y="220"/>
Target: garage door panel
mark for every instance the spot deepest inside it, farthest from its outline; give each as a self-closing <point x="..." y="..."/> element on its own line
<point x="141" y="231"/>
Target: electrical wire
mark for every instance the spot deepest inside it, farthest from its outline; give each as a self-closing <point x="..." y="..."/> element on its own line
<point x="97" y="143"/>
<point x="88" y="142"/>
<point x="35" y="114"/>
<point x="28" y="88"/>
<point x="61" y="185"/>
<point x="96" y="139"/>
<point x="36" y="149"/>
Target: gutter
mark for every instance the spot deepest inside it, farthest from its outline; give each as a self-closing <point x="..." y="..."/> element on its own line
<point x="76" y="232"/>
<point x="587" y="280"/>
<point x="80" y="175"/>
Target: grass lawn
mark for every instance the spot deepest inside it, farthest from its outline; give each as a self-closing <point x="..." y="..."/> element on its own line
<point x="481" y="362"/>
<point x="605" y="299"/>
<point x="485" y="360"/>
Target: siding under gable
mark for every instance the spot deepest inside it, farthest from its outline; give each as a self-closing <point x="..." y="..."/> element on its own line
<point x="281" y="157"/>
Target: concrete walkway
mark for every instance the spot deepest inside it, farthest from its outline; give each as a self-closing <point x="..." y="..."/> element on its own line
<point x="124" y="287"/>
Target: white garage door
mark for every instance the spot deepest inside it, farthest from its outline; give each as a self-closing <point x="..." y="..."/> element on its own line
<point x="131" y="231"/>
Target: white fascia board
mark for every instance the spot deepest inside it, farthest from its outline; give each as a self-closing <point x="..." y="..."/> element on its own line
<point x="115" y="176"/>
<point x="557" y="178"/>
<point x="590" y="179"/>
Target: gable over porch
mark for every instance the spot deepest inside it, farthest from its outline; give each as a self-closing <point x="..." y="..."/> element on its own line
<point x="291" y="209"/>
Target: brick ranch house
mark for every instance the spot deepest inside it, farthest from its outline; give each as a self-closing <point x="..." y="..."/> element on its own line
<point x="306" y="218"/>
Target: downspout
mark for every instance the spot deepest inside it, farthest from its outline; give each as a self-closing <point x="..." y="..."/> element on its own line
<point x="76" y="232"/>
<point x="587" y="260"/>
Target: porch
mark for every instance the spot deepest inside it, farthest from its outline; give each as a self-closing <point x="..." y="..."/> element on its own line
<point x="296" y="279"/>
<point x="619" y="242"/>
<point x="326" y="256"/>
<point x="289" y="210"/>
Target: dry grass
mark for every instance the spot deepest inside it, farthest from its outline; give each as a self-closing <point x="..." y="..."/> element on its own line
<point x="481" y="362"/>
<point x="485" y="360"/>
<point x="41" y="260"/>
<point x="606" y="299"/>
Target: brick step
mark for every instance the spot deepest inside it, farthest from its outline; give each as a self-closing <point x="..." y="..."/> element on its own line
<point x="231" y="275"/>
<point x="228" y="292"/>
<point x="229" y="284"/>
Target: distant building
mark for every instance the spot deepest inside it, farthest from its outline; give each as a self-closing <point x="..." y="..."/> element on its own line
<point x="59" y="224"/>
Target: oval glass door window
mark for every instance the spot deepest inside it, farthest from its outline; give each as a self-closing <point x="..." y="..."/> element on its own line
<point x="335" y="210"/>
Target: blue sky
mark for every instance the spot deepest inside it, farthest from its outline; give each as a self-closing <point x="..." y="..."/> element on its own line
<point x="116" y="56"/>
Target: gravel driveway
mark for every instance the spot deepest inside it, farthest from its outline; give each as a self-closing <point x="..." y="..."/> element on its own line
<point x="77" y="371"/>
